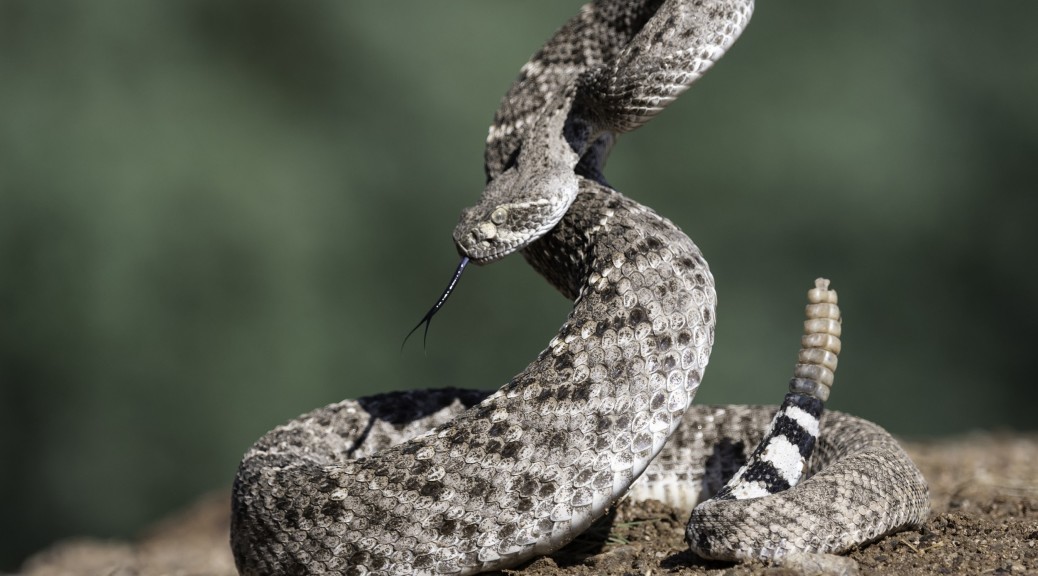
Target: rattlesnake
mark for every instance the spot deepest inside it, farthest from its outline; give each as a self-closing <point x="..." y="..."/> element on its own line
<point x="457" y="481"/>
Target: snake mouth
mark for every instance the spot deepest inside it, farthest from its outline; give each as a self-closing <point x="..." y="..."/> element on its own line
<point x="482" y="244"/>
<point x="483" y="253"/>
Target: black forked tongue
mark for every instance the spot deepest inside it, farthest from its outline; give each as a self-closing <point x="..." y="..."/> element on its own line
<point x="427" y="319"/>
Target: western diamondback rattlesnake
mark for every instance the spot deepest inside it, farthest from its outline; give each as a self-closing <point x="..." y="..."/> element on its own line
<point x="457" y="482"/>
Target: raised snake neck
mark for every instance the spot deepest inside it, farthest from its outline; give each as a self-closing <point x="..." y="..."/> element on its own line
<point x="458" y="482"/>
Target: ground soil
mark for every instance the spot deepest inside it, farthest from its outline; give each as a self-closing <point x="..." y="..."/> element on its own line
<point x="984" y="490"/>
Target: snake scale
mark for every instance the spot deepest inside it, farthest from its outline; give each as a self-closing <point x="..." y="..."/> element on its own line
<point x="456" y="481"/>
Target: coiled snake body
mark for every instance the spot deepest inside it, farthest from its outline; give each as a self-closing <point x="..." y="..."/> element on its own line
<point x="457" y="482"/>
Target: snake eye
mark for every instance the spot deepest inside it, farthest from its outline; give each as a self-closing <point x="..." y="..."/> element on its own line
<point x="499" y="215"/>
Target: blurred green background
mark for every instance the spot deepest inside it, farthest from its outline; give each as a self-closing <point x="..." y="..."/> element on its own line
<point x="217" y="215"/>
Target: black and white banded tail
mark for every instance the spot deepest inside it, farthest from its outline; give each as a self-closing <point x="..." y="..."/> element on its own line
<point x="780" y="459"/>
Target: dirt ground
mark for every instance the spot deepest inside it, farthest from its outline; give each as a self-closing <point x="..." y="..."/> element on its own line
<point x="984" y="490"/>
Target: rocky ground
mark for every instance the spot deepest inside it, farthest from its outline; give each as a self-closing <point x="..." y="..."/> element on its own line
<point x="984" y="490"/>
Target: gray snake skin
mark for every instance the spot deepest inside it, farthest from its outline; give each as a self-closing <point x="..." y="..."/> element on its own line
<point x="458" y="481"/>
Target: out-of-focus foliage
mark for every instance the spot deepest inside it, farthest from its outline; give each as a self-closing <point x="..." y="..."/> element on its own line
<point x="217" y="215"/>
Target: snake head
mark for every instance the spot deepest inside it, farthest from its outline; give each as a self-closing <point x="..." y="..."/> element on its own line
<point x="516" y="209"/>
